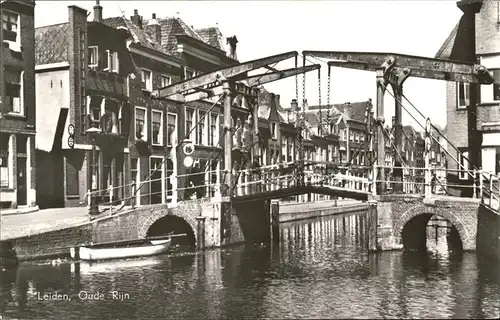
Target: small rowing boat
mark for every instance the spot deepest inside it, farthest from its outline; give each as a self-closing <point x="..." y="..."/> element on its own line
<point x="121" y="250"/>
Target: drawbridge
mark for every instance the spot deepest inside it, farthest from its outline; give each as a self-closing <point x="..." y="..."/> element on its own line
<point x="243" y="178"/>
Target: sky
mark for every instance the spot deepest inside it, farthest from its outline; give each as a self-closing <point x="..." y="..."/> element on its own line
<point x="265" y="28"/>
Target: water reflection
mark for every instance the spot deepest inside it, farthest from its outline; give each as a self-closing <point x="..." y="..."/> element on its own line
<point x="319" y="270"/>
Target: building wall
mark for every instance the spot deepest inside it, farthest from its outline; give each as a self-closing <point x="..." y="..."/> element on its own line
<point x="456" y="124"/>
<point x="487" y="28"/>
<point x="17" y="127"/>
<point x="52" y="95"/>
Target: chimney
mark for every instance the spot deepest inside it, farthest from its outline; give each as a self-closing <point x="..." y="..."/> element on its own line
<point x="154" y="29"/>
<point x="306" y="105"/>
<point x="136" y="18"/>
<point x="277" y="101"/>
<point x="232" y="41"/>
<point x="294" y="105"/>
<point x="97" y="12"/>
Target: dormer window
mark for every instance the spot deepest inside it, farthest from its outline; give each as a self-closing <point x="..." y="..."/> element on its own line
<point x="165" y="81"/>
<point x="147" y="81"/>
<point x="11" y="29"/>
<point x="189" y="73"/>
<point x="93" y="56"/>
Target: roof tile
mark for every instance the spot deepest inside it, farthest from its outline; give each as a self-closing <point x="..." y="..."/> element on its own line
<point x="51" y="43"/>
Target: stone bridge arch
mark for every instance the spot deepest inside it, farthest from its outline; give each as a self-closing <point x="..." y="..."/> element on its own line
<point x="467" y="236"/>
<point x="148" y="220"/>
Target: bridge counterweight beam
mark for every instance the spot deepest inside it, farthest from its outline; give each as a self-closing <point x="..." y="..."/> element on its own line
<point x="397" y="78"/>
<point x="380" y="132"/>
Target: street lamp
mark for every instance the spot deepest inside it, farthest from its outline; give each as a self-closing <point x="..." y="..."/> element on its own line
<point x="93" y="206"/>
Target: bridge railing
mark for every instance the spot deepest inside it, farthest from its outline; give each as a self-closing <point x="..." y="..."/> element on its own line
<point x="282" y="176"/>
<point x="166" y="191"/>
<point x="483" y="185"/>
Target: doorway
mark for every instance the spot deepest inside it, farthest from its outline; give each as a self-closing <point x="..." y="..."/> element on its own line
<point x="22" y="188"/>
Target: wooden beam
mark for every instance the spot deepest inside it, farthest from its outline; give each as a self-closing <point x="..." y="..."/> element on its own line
<point x="418" y="73"/>
<point x="220" y="75"/>
<point x="432" y="68"/>
<point x="278" y="75"/>
<point x="252" y="82"/>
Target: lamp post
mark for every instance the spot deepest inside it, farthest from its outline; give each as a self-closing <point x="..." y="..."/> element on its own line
<point x="93" y="205"/>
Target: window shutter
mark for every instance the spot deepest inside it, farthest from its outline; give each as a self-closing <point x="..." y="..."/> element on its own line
<point x="116" y="65"/>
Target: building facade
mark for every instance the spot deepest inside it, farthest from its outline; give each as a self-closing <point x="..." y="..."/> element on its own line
<point x="17" y="104"/>
<point x="107" y="86"/>
<point x="476" y="38"/>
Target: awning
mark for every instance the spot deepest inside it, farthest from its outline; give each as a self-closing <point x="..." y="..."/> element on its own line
<point x="12" y="59"/>
<point x="104" y="84"/>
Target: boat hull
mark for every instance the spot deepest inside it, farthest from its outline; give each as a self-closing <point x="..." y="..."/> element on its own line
<point x="154" y="247"/>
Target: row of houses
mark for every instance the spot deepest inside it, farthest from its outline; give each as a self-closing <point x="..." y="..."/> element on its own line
<point x="100" y="74"/>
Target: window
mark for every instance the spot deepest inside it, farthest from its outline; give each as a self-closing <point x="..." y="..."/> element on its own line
<point x="202" y="128"/>
<point x="190" y="73"/>
<point x="10" y="26"/>
<point x="214" y="129"/>
<point x="14" y="92"/>
<point x="496" y="86"/>
<point x="165" y="81"/>
<point x="464" y="165"/>
<point x="157" y="123"/>
<point x="72" y="180"/>
<point x="284" y="153"/>
<point x="96" y="117"/>
<point x="290" y="149"/>
<point x="332" y="128"/>
<point x="189" y="125"/>
<point x="497" y="160"/>
<point x="147" y="83"/>
<point x="140" y="123"/>
<point x="134" y="169"/>
<point x="4" y="160"/>
<point x="156" y="184"/>
<point x="172" y="129"/>
<point x="463" y="95"/>
<point x="111" y="61"/>
<point x="274" y="130"/>
<point x="93" y="56"/>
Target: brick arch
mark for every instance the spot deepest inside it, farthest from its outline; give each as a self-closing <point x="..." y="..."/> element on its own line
<point x="160" y="213"/>
<point x="421" y="209"/>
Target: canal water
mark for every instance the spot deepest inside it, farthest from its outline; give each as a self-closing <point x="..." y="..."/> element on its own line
<point x="319" y="270"/>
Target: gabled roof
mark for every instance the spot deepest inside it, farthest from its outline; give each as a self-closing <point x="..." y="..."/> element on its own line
<point x="51" y="43"/>
<point x="213" y="37"/>
<point x="354" y="111"/>
<point x="446" y="48"/>
<point x="139" y="35"/>
<point x="172" y="27"/>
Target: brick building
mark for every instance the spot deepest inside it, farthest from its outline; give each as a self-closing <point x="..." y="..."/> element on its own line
<point x="17" y="104"/>
<point x="476" y="38"/>
<point x="114" y="80"/>
<point x="82" y="75"/>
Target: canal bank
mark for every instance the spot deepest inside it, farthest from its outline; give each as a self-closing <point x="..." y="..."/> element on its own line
<point x="303" y="211"/>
